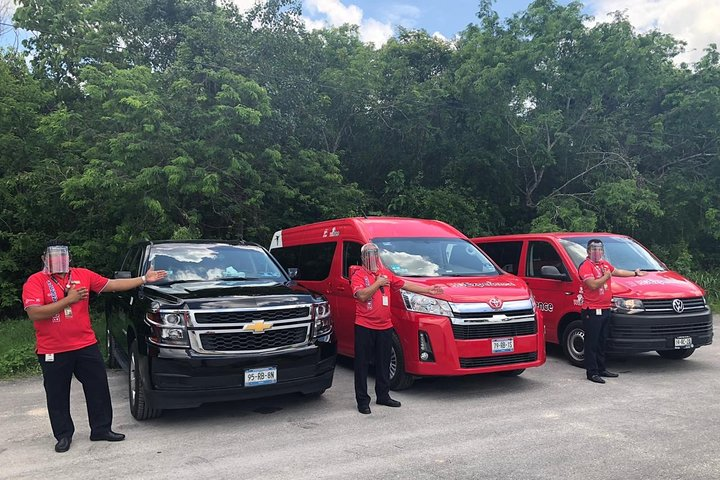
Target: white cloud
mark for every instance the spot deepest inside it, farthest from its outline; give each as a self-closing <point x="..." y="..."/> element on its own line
<point x="245" y="5"/>
<point x="376" y="32"/>
<point x="335" y="11"/>
<point x="694" y="21"/>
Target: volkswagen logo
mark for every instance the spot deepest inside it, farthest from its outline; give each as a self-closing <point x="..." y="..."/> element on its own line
<point x="678" y="305"/>
<point x="495" y="303"/>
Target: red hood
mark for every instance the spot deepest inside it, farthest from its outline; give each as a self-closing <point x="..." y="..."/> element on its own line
<point x="477" y="289"/>
<point x="656" y="285"/>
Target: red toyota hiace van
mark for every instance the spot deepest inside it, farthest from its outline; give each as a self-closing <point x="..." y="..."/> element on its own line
<point x="660" y="311"/>
<point x="483" y="322"/>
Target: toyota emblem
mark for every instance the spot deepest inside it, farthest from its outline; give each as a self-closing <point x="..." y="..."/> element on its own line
<point x="678" y="305"/>
<point x="495" y="303"/>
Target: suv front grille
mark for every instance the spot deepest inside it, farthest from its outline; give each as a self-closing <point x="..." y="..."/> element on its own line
<point x="248" y="341"/>
<point x="498" y="360"/>
<point x="240" y="316"/>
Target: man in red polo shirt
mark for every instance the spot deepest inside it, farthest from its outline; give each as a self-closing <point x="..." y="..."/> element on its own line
<point x="595" y="273"/>
<point x="56" y="300"/>
<point x="370" y="285"/>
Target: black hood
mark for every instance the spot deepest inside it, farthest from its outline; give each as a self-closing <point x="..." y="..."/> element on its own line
<point x="229" y="294"/>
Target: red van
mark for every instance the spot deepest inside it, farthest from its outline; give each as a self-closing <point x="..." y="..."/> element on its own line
<point x="661" y="311"/>
<point x="483" y="322"/>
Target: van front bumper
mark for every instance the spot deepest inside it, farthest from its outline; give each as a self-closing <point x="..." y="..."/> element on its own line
<point x="647" y="332"/>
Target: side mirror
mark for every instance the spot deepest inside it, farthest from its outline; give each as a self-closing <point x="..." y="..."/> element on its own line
<point x="293" y="272"/>
<point x="551" y="271"/>
<point x="122" y="274"/>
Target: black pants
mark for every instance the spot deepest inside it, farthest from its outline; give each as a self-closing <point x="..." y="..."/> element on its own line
<point x="88" y="367"/>
<point x="597" y="329"/>
<point x="375" y="345"/>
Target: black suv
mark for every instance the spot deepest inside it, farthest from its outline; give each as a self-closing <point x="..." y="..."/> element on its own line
<point x="227" y="323"/>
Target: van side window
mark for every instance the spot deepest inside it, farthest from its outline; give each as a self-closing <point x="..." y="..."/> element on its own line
<point x="505" y="254"/>
<point x="541" y="254"/>
<point x="351" y="256"/>
<point x="313" y="261"/>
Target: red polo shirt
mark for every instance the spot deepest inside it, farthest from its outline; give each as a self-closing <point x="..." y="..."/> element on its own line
<point x="61" y="333"/>
<point x="373" y="314"/>
<point x="600" y="297"/>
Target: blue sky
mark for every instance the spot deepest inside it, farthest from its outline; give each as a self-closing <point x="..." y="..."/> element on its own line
<point x="694" y="21"/>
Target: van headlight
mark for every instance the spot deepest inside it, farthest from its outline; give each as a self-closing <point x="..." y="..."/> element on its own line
<point x="416" y="302"/>
<point x="627" y="305"/>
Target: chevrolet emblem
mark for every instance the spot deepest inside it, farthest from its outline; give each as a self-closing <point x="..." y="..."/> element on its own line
<point x="258" y="326"/>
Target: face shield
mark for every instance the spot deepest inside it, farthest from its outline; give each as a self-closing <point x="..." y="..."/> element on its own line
<point x="57" y="259"/>
<point x="370" y="256"/>
<point x="596" y="251"/>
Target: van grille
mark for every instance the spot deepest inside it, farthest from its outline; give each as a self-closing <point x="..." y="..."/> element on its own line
<point x="490" y="330"/>
<point x="661" y="331"/>
<point x="498" y="360"/>
<point x="248" y="341"/>
<point x="662" y="306"/>
<point x="240" y="316"/>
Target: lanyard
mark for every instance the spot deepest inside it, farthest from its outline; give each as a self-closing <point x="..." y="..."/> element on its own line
<point x="66" y="289"/>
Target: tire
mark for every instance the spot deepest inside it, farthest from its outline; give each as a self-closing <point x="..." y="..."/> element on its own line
<point x="511" y="373"/>
<point x="111" y="349"/>
<point x="573" y="343"/>
<point x="139" y="407"/>
<point x="399" y="380"/>
<point x="676" y="354"/>
<point x="317" y="394"/>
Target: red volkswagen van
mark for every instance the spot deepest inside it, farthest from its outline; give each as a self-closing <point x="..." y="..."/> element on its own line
<point x="484" y="321"/>
<point x="660" y="311"/>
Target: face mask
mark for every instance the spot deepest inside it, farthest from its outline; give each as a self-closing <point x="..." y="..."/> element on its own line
<point x="57" y="259"/>
<point x="370" y="257"/>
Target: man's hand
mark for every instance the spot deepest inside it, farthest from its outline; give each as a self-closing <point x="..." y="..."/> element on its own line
<point x="640" y="273"/>
<point x="435" y="290"/>
<point x="382" y="281"/>
<point x="154" y="275"/>
<point x="74" y="295"/>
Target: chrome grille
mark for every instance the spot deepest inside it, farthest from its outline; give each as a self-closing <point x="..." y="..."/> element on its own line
<point x="657" y="306"/>
<point x="247" y="341"/>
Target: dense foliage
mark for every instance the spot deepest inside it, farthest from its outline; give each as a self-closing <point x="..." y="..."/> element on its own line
<point x="133" y="119"/>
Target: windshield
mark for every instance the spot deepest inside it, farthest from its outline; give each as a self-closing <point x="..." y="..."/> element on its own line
<point x="433" y="257"/>
<point x="197" y="262"/>
<point x="624" y="253"/>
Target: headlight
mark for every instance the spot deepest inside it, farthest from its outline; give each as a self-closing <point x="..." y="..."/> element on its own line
<point x="415" y="302"/>
<point x="627" y="305"/>
<point x="168" y="328"/>
<point x="323" y="321"/>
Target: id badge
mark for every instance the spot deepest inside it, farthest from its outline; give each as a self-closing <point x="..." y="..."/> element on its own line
<point x="49" y="357"/>
<point x="385" y="301"/>
<point x="68" y="312"/>
<point x="598" y="311"/>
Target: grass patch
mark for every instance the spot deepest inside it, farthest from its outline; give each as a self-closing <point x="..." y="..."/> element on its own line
<point x="17" y="346"/>
<point x="710" y="281"/>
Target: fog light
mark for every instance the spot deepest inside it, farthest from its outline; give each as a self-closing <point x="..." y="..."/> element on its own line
<point x="426" y="352"/>
<point x="173" y="334"/>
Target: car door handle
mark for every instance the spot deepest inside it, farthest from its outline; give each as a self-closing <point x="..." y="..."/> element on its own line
<point x="340" y="288"/>
<point x="569" y="293"/>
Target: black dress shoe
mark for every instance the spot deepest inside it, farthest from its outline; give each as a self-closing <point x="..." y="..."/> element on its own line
<point x="596" y="379"/>
<point x="605" y="373"/>
<point x="389" y="402"/>
<point x="365" y="410"/>
<point x="108" y="436"/>
<point x="63" y="445"/>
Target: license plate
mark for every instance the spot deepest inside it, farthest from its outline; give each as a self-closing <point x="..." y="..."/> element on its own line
<point x="260" y="376"/>
<point x="683" y="342"/>
<point x="503" y="345"/>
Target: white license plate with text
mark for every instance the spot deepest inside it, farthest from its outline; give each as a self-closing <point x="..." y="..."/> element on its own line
<point x="683" y="342"/>
<point x="503" y="345"/>
<point x="260" y="376"/>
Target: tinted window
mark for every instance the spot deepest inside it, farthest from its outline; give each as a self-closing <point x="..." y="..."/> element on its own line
<point x="542" y="254"/>
<point x="433" y="257"/>
<point x="505" y="254"/>
<point x="200" y="262"/>
<point x="312" y="261"/>
<point x="351" y="256"/>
